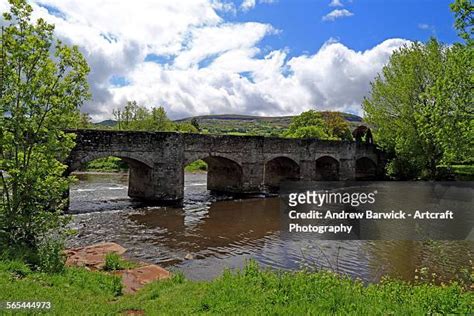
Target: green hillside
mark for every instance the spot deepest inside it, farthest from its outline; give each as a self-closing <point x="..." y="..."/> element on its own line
<point x="236" y="124"/>
<point x="251" y="125"/>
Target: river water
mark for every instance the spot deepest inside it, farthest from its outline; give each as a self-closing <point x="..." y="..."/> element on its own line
<point x="209" y="234"/>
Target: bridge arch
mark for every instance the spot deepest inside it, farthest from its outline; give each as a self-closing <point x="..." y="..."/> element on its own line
<point x="140" y="174"/>
<point x="279" y="169"/>
<point x="75" y="163"/>
<point x="327" y="169"/>
<point x="365" y="169"/>
<point x="224" y="175"/>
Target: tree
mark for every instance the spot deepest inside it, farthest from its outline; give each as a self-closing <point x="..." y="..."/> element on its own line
<point x="308" y="132"/>
<point x="195" y="123"/>
<point x="185" y="128"/>
<point x="160" y="120"/>
<point x="82" y="120"/>
<point x="309" y="124"/>
<point x="42" y="84"/>
<point x="336" y="126"/>
<point x="421" y="107"/>
<point x="464" y="19"/>
<point x="128" y="117"/>
<point x="134" y="117"/>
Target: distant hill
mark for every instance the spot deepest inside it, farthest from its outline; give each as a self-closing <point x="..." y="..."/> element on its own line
<point x="252" y="125"/>
<point x="109" y="123"/>
<point x="244" y="124"/>
<point x="349" y="117"/>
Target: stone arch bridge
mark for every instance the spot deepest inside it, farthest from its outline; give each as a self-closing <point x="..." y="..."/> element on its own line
<point x="236" y="164"/>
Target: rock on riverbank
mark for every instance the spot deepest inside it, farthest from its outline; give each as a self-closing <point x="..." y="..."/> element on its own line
<point x="93" y="258"/>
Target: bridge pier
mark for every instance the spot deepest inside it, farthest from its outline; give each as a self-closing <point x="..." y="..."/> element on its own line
<point x="307" y="170"/>
<point x="167" y="183"/>
<point x="346" y="170"/>
<point x="140" y="180"/>
<point x="252" y="177"/>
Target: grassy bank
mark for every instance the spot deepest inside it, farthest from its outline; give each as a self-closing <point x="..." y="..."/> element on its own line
<point x="464" y="172"/>
<point x="250" y="291"/>
<point x="114" y="164"/>
<point x="108" y="164"/>
<point x="196" y="166"/>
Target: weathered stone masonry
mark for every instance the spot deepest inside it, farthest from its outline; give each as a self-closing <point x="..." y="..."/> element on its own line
<point x="237" y="164"/>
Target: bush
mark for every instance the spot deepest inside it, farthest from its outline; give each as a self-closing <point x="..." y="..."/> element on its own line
<point x="114" y="262"/>
<point x="51" y="255"/>
<point x="33" y="141"/>
<point x="196" y="166"/>
<point x="108" y="164"/>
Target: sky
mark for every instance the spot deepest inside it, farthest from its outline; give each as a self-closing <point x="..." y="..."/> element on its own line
<point x="256" y="57"/>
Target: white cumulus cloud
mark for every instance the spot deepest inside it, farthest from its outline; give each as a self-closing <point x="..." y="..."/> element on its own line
<point x="248" y="4"/>
<point x="337" y="14"/>
<point x="191" y="61"/>
<point x="335" y="77"/>
<point x="336" y="3"/>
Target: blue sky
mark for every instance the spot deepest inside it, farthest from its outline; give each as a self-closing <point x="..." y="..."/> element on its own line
<point x="303" y="30"/>
<point x="259" y="57"/>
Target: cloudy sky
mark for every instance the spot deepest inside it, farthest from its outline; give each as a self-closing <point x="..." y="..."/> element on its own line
<point x="260" y="57"/>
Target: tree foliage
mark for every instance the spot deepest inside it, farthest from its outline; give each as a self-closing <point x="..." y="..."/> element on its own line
<point x="42" y="84"/>
<point x="464" y="19"/>
<point x="309" y="124"/>
<point x="336" y="127"/>
<point x="135" y="117"/>
<point x="421" y="107"/>
<point x="312" y="124"/>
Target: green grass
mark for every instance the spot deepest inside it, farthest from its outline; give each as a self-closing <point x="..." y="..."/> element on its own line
<point x="460" y="172"/>
<point x="76" y="291"/>
<point x="108" y="164"/>
<point x="463" y="169"/>
<point x="196" y="166"/>
<point x="114" y="261"/>
<point x="251" y="291"/>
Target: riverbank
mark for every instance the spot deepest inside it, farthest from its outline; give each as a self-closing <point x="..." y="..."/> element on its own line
<point x="116" y="165"/>
<point x="249" y="291"/>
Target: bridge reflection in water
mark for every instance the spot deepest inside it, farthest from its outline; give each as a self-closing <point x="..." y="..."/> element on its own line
<point x="206" y="236"/>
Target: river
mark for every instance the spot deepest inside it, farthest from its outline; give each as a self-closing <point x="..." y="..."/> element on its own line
<point x="209" y="234"/>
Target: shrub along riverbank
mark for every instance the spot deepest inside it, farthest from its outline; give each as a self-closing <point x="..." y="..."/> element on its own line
<point x="249" y="291"/>
<point x="114" y="164"/>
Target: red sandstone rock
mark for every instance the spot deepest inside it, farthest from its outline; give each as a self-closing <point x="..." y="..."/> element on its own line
<point x="135" y="279"/>
<point x="92" y="257"/>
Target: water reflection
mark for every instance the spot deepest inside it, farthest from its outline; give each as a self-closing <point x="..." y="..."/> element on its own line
<point x="207" y="235"/>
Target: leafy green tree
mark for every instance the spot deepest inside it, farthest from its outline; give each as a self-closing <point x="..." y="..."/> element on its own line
<point x="42" y="84"/>
<point x="160" y="120"/>
<point x="82" y="120"/>
<point x="186" y="128"/>
<point x="421" y="107"/>
<point x="195" y="123"/>
<point x="135" y="117"/>
<point x="336" y="126"/>
<point x="308" y="132"/>
<point x="464" y="19"/>
<point x="128" y="117"/>
<point x="309" y="124"/>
